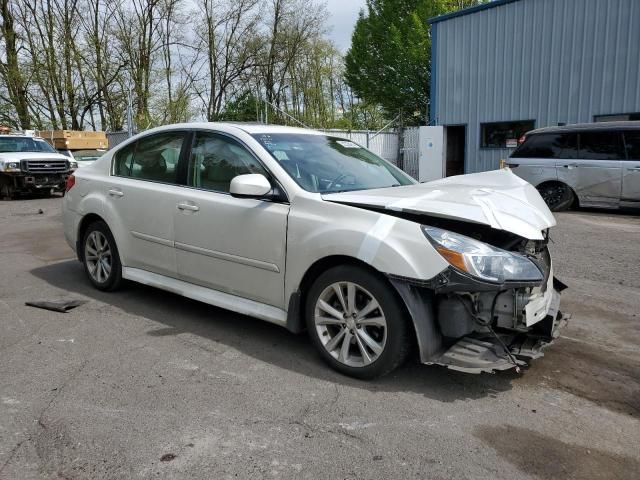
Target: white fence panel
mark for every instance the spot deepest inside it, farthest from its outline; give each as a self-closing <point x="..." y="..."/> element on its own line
<point x="384" y="144"/>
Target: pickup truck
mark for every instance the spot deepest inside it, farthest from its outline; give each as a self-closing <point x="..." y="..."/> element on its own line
<point x="30" y="165"/>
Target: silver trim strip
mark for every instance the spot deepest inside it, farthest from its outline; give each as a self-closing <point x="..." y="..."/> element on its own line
<point x="212" y="297"/>
<point x="152" y="239"/>
<point x="228" y="257"/>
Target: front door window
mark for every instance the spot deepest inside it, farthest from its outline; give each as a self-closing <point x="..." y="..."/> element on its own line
<point x="216" y="160"/>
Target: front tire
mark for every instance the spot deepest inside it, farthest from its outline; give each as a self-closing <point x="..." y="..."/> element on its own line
<point x="101" y="258"/>
<point x="6" y="191"/>
<point x="357" y="323"/>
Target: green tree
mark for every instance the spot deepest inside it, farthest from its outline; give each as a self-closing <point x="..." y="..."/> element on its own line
<point x="245" y="108"/>
<point x="390" y="55"/>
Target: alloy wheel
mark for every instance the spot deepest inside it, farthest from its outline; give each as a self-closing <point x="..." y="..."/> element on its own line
<point x="350" y="324"/>
<point x="97" y="255"/>
<point x="553" y="195"/>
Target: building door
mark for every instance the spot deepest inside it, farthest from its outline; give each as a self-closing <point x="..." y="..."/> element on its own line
<point x="456" y="136"/>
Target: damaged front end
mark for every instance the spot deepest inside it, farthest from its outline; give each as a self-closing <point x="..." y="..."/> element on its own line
<point x="476" y="325"/>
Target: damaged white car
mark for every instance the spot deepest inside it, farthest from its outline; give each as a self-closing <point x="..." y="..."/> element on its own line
<point x="314" y="232"/>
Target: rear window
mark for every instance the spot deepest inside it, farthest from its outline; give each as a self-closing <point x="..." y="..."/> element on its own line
<point x="601" y="146"/>
<point x="549" y="145"/>
<point x="632" y="142"/>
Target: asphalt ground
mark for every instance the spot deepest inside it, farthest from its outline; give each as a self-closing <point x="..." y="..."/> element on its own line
<point x="145" y="384"/>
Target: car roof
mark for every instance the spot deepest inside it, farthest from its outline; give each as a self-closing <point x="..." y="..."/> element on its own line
<point x="599" y="126"/>
<point x="19" y="135"/>
<point x="250" y="128"/>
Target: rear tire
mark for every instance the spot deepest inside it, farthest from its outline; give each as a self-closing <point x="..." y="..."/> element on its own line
<point x="558" y="196"/>
<point x="100" y="257"/>
<point x="357" y="323"/>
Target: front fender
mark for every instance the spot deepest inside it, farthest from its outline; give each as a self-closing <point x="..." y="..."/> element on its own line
<point x="391" y="245"/>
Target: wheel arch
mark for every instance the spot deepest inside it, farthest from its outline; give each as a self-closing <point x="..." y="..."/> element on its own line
<point x="297" y="300"/>
<point x="82" y="227"/>
<point x="576" y="198"/>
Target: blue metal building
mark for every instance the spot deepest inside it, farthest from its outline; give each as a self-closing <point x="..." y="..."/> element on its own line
<point x="507" y="66"/>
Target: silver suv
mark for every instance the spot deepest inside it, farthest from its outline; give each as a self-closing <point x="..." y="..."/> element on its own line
<point x="588" y="165"/>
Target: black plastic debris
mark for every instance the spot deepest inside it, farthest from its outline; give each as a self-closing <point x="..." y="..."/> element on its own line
<point x="62" y="306"/>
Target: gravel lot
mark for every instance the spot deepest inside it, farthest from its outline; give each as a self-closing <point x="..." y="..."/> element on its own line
<point x="145" y="384"/>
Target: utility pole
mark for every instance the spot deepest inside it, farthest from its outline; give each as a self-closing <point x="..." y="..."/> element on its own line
<point x="129" y="114"/>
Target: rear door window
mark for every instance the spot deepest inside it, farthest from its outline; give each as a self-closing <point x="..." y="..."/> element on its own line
<point x="122" y="160"/>
<point x="153" y="158"/>
<point x="549" y="145"/>
<point x="632" y="142"/>
<point x="601" y="146"/>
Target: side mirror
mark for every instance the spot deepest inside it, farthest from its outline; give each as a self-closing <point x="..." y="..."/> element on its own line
<point x="251" y="185"/>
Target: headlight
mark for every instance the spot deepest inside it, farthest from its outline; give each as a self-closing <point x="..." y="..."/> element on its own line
<point x="73" y="164"/>
<point x="480" y="259"/>
<point x="12" y="167"/>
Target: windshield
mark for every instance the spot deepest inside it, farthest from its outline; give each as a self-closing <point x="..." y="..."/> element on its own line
<point x="88" y="155"/>
<point x="324" y="164"/>
<point x="24" y="144"/>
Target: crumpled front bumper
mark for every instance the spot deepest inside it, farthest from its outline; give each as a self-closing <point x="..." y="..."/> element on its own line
<point x="484" y="353"/>
<point x="35" y="182"/>
<point x="446" y="338"/>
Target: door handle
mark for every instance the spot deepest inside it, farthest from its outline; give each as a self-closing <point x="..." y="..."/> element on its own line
<point x="570" y="166"/>
<point x="186" y="206"/>
<point x="116" y="193"/>
<point x="634" y="169"/>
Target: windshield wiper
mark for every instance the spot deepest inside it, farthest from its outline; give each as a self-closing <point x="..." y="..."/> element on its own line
<point x="358" y="189"/>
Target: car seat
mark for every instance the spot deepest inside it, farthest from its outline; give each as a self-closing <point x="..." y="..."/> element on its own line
<point x="305" y="179"/>
<point x="153" y="166"/>
<point x="218" y="176"/>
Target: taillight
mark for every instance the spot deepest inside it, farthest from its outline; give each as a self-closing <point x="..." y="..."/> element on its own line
<point x="522" y="139"/>
<point x="71" y="181"/>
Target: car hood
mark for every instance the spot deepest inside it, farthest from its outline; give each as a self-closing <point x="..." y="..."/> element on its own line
<point x="85" y="163"/>
<point x="17" y="156"/>
<point x="497" y="198"/>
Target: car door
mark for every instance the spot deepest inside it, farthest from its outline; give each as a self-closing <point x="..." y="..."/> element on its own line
<point x="536" y="160"/>
<point x="141" y="198"/>
<point x="597" y="170"/>
<point x="234" y="245"/>
<point x="631" y="168"/>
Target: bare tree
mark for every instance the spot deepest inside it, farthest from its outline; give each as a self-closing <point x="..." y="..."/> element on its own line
<point x="228" y="42"/>
<point x="291" y="24"/>
<point x="138" y="27"/>
<point x="10" y="69"/>
<point x="101" y="63"/>
<point x="71" y="63"/>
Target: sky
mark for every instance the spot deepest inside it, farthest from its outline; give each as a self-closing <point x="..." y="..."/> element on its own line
<point x="342" y="17"/>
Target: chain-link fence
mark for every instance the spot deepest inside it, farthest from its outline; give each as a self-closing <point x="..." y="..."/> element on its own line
<point x="384" y="144"/>
<point x="114" y="138"/>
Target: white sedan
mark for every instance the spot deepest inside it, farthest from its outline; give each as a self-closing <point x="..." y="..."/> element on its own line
<point x="311" y="231"/>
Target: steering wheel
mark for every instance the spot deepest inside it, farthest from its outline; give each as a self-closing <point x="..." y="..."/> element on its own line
<point x="340" y="177"/>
